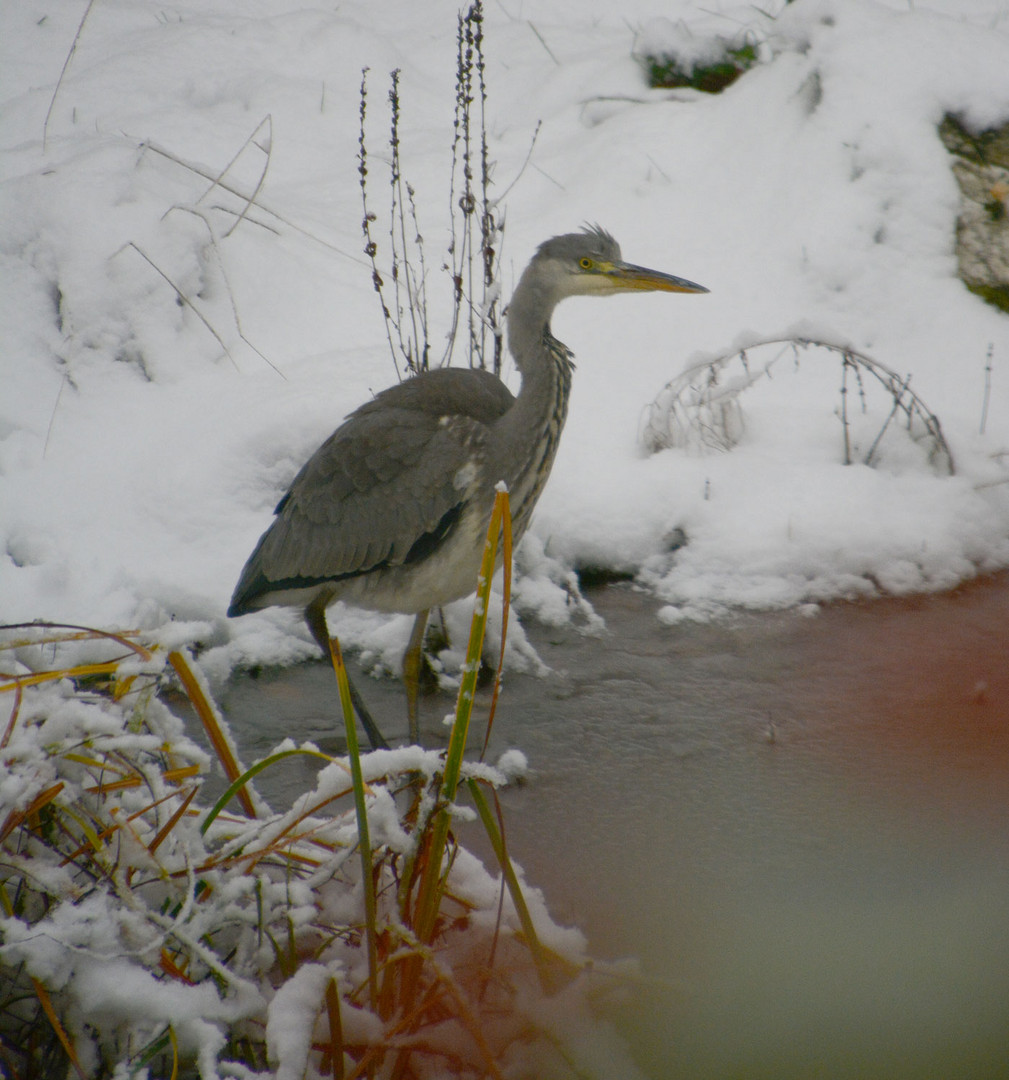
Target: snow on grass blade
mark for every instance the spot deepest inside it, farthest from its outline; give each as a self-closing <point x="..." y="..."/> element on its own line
<point x="432" y="881"/>
<point x="47" y="1007"/>
<point x="213" y="725"/>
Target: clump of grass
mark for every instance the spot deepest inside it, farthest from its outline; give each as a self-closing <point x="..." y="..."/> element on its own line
<point x="996" y="295"/>
<point x="665" y="71"/>
<point x="707" y="51"/>
<point x="146" y="930"/>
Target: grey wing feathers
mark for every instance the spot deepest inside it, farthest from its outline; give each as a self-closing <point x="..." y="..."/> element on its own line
<point x="383" y="482"/>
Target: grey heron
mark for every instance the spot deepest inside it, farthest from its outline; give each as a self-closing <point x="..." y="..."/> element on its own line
<point x="391" y="512"/>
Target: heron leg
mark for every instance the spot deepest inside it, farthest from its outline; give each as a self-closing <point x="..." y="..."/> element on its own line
<point x="315" y="616"/>
<point x="413" y="658"/>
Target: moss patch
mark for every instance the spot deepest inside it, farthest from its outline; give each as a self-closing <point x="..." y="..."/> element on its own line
<point x="670" y="71"/>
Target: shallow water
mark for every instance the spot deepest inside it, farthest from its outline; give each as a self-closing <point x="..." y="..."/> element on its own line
<point x="797" y="824"/>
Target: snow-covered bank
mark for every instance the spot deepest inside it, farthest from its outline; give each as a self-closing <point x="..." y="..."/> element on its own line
<point x="142" y="451"/>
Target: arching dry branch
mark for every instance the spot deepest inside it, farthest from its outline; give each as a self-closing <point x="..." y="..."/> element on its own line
<point x="702" y="410"/>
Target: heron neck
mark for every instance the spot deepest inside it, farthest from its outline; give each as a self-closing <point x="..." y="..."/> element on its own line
<point x="529" y="312"/>
<point x="542" y="361"/>
<point x="531" y="429"/>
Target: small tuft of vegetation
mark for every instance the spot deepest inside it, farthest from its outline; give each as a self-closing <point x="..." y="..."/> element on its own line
<point x="987" y="147"/>
<point x="710" y="78"/>
<point x="996" y="295"/>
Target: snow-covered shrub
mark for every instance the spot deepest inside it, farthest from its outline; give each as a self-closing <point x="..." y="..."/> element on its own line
<point x="881" y="417"/>
<point x="144" y="930"/>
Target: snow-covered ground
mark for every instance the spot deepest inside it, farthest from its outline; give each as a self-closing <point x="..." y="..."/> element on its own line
<point x="144" y="441"/>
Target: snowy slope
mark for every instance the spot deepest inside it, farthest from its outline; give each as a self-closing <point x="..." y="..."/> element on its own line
<point x="144" y="440"/>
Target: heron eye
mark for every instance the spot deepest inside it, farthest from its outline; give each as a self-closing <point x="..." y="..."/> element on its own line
<point x="586" y="263"/>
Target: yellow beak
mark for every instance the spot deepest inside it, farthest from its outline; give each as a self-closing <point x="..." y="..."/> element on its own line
<point x="628" y="276"/>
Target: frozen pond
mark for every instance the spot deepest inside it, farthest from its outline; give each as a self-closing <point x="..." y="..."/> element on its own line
<point x="796" y="823"/>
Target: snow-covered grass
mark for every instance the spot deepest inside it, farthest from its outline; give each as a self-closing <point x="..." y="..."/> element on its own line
<point x="186" y="311"/>
<point x="146" y="931"/>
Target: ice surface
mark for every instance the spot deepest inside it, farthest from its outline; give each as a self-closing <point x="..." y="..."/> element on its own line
<point x="165" y="370"/>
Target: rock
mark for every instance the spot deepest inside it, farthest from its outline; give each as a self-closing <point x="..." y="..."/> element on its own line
<point x="981" y="167"/>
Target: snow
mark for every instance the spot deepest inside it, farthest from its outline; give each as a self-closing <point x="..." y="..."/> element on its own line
<point x="171" y="355"/>
<point x="141" y="453"/>
<point x="292" y="1019"/>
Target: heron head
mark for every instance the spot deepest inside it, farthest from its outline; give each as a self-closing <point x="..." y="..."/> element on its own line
<point x="589" y="263"/>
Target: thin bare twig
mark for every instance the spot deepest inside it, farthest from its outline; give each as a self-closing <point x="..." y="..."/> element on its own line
<point x="898" y="402"/>
<point x="415" y="348"/>
<point x="370" y="247"/>
<point x="218" y="181"/>
<point x="525" y="163"/>
<point x="539" y="38"/>
<point x="267" y="152"/>
<point x="472" y="263"/>
<point x="987" y="387"/>
<point x="52" y="415"/>
<point x="183" y="298"/>
<point x="63" y="71"/>
<point x="846" y="362"/>
<point x="215" y="248"/>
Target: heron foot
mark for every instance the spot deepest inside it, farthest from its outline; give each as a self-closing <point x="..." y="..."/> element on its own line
<point x="375" y="736"/>
<point x="413" y="660"/>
